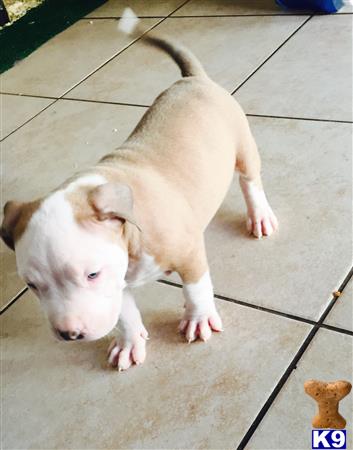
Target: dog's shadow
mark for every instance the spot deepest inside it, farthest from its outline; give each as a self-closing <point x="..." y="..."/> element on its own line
<point x="162" y="328"/>
<point x="165" y="328"/>
<point x="229" y="223"/>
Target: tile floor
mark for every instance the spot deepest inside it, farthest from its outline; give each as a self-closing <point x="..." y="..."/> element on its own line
<point x="244" y="389"/>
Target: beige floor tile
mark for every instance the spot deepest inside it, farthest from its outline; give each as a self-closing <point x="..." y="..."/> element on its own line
<point x="307" y="176"/>
<point x="60" y="395"/>
<point x="287" y="424"/>
<point x="67" y="58"/>
<point x="229" y="47"/>
<point x="114" y="8"/>
<point x="342" y="314"/>
<point x="297" y="269"/>
<point x="65" y="138"/>
<point x="224" y="7"/>
<point x="16" y="110"/>
<point x="310" y="76"/>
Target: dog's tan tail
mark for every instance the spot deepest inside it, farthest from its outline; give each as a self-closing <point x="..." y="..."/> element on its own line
<point x="186" y="60"/>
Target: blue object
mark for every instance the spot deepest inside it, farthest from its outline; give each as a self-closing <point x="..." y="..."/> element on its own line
<point x="328" y="6"/>
<point x="328" y="439"/>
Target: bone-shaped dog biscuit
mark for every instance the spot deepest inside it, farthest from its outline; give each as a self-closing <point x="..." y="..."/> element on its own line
<point x="327" y="396"/>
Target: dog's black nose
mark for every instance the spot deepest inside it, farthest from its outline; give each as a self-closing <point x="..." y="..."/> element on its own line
<point x="71" y="335"/>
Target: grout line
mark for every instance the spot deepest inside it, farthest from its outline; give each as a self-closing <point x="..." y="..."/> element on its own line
<point x="292" y="366"/>
<point x="299" y="118"/>
<point x="277" y="389"/>
<point x="333" y="302"/>
<point x="110" y="59"/>
<point x="29" y="120"/>
<point x="279" y="14"/>
<point x="129" y="45"/>
<point x="268" y="310"/>
<point x="335" y="299"/>
<point x="56" y="99"/>
<point x="123" y="49"/>
<point x="270" y="56"/>
<point x="106" y="102"/>
<point x="94" y="71"/>
<point x="242" y="15"/>
<point x="337" y="329"/>
<point x="198" y="16"/>
<point x="119" y="17"/>
<point x="250" y="305"/>
<point x="14" y="94"/>
<point x="13" y="300"/>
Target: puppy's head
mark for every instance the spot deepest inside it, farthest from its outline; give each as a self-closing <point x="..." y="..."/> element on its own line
<point x="71" y="252"/>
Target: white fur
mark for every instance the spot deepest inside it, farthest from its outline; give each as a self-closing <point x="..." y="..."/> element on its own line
<point x="261" y="219"/>
<point x="57" y="254"/>
<point x="142" y="271"/>
<point x="128" y="22"/>
<point x="200" y="316"/>
<point x="130" y="347"/>
<point x="199" y="296"/>
<point x="86" y="180"/>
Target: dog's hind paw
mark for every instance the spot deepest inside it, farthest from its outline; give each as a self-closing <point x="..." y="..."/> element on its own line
<point x="200" y="326"/>
<point x="123" y="354"/>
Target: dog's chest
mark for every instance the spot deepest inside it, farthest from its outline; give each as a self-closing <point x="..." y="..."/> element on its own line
<point x="142" y="271"/>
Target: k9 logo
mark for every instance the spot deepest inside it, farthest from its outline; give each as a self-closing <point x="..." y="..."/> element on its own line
<point x="328" y="439"/>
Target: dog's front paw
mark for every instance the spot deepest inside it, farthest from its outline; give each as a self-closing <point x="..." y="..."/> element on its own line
<point x="262" y="221"/>
<point x="200" y="326"/>
<point x="125" y="352"/>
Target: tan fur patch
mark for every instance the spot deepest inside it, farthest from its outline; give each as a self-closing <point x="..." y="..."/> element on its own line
<point x="132" y="239"/>
<point x="85" y="213"/>
<point x="28" y="209"/>
<point x="78" y="200"/>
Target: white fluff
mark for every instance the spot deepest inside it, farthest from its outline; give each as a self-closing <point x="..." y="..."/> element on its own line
<point x="128" y="21"/>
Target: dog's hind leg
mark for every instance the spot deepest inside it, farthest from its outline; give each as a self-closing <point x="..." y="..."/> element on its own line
<point x="261" y="220"/>
<point x="130" y="347"/>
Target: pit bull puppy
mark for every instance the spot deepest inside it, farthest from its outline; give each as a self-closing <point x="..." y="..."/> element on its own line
<point x="139" y="213"/>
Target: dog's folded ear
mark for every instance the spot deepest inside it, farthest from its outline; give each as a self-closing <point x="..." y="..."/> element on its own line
<point x="12" y="214"/>
<point x="113" y="201"/>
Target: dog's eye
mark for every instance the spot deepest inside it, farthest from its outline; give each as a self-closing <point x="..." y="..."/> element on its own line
<point x="93" y="275"/>
<point x="32" y="286"/>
